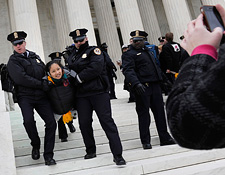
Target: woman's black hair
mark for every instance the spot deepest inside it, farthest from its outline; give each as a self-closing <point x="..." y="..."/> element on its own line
<point x="49" y="64"/>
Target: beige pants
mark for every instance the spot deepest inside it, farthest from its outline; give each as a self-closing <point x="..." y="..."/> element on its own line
<point x="9" y="103"/>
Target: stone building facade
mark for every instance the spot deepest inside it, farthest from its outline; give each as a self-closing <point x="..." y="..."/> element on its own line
<point x="48" y="22"/>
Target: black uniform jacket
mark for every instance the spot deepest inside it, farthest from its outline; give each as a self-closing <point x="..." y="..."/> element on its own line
<point x="27" y="73"/>
<point x="196" y="103"/>
<point x="62" y="95"/>
<point x="88" y="62"/>
<point x="170" y="57"/>
<point x="139" y="66"/>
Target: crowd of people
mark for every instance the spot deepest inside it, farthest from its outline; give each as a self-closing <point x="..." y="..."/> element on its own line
<point x="86" y="84"/>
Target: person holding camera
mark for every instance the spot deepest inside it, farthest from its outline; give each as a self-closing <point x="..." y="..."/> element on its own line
<point x="26" y="70"/>
<point x="195" y="106"/>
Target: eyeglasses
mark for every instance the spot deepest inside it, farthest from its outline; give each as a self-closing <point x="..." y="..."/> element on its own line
<point x="20" y="43"/>
<point x="81" y="40"/>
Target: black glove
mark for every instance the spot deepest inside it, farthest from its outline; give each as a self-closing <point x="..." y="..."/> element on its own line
<point x="76" y="82"/>
<point x="45" y="85"/>
<point x="139" y="89"/>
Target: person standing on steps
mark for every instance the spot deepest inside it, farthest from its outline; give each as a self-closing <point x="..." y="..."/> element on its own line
<point x="26" y="70"/>
<point x="92" y="94"/>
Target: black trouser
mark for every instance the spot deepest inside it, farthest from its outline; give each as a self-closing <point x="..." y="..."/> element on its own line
<point x="112" y="86"/>
<point x="101" y="104"/>
<point x="62" y="129"/>
<point x="43" y="108"/>
<point x="152" y="98"/>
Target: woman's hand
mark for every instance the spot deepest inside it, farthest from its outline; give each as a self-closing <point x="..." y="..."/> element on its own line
<point x="197" y="34"/>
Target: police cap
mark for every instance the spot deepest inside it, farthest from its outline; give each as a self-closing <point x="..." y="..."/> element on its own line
<point x="104" y="45"/>
<point x="161" y="38"/>
<point x="56" y="55"/>
<point x="17" y="37"/>
<point x="138" y="35"/>
<point x="78" y="34"/>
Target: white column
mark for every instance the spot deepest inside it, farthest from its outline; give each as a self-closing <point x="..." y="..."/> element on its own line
<point x="214" y="2"/>
<point x="107" y="30"/>
<point x="178" y="16"/>
<point x="7" y="156"/>
<point x="62" y="24"/>
<point x="149" y="20"/>
<point x="5" y="47"/>
<point x="25" y="17"/>
<point x="129" y="17"/>
<point x="79" y="16"/>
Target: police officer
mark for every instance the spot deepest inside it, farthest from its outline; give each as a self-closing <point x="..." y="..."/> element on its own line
<point x="26" y="69"/>
<point x="142" y="73"/>
<point x="111" y="69"/>
<point x="92" y="94"/>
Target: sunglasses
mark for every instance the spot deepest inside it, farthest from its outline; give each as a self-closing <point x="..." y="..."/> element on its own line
<point x="20" y="43"/>
<point x="135" y="41"/>
<point x="81" y="40"/>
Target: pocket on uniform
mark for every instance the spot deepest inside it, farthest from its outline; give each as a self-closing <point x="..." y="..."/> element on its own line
<point x="93" y="85"/>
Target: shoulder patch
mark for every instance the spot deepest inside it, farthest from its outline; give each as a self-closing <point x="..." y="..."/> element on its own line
<point x="97" y="51"/>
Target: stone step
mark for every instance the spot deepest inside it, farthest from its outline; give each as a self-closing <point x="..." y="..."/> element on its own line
<point x="214" y="167"/>
<point x="138" y="162"/>
<point x="75" y="151"/>
<point x="103" y="160"/>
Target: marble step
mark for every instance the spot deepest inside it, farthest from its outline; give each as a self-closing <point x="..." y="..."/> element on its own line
<point x="215" y="167"/>
<point x="103" y="160"/>
<point x="24" y="149"/>
<point x="152" y="161"/>
<point x="76" y="151"/>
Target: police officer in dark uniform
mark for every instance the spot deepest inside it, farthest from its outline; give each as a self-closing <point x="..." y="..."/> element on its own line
<point x="26" y="70"/>
<point x="92" y="94"/>
<point x="142" y="73"/>
<point x="111" y="69"/>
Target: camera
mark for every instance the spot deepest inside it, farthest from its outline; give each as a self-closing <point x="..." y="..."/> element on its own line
<point x="212" y="19"/>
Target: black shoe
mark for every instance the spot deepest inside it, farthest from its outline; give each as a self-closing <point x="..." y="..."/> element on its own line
<point x="147" y="146"/>
<point x="71" y="127"/>
<point x="119" y="160"/>
<point x="168" y="142"/>
<point x="64" y="140"/>
<point x="35" y="154"/>
<point x="90" y="156"/>
<point x="50" y="161"/>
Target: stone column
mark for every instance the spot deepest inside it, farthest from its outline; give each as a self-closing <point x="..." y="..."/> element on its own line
<point x="5" y="47"/>
<point x="7" y="156"/>
<point x="178" y="16"/>
<point x="107" y="30"/>
<point x="62" y="23"/>
<point x="79" y="16"/>
<point x="214" y="2"/>
<point x="149" y="20"/>
<point x="129" y="17"/>
<point x="25" y="17"/>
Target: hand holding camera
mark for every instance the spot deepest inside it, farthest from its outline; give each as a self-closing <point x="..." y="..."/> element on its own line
<point x="197" y="34"/>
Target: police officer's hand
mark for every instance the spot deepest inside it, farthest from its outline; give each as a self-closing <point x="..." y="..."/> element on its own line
<point x="139" y="89"/>
<point x="45" y="85"/>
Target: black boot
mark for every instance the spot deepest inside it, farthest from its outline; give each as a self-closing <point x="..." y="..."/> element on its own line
<point x="71" y="127"/>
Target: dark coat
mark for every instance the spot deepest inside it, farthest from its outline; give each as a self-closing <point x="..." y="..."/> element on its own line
<point x="27" y="73"/>
<point x="170" y="57"/>
<point x="88" y="62"/>
<point x="196" y="104"/>
<point x="62" y="95"/>
<point x="139" y="66"/>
